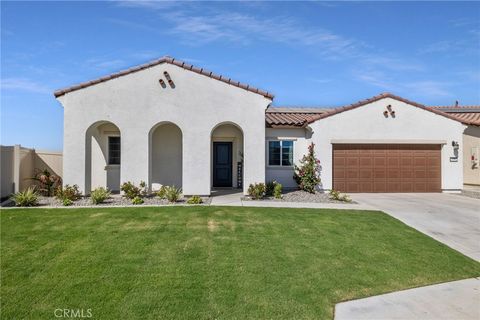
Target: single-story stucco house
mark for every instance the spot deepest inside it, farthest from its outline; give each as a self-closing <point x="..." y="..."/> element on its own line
<point x="170" y="123"/>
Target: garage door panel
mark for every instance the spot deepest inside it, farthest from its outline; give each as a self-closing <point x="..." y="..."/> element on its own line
<point x="387" y="168"/>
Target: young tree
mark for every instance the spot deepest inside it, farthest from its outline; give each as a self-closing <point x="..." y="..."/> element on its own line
<point x="307" y="175"/>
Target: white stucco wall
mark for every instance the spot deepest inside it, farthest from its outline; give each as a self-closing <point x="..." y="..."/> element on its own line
<point x="367" y="124"/>
<point x="471" y="144"/>
<point x="136" y="102"/>
<point x="301" y="139"/>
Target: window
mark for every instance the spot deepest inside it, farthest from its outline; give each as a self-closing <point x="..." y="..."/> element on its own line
<point x="280" y="153"/>
<point x="113" y="150"/>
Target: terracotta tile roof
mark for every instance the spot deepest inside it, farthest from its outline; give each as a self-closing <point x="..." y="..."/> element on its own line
<point x="469" y="114"/>
<point x="392" y="96"/>
<point x="170" y="60"/>
<point x="472" y="118"/>
<point x="291" y="117"/>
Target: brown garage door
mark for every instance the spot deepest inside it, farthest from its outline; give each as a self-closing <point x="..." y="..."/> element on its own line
<point x="386" y="168"/>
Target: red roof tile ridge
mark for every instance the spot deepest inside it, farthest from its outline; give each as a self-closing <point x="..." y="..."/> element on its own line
<point x="164" y="59"/>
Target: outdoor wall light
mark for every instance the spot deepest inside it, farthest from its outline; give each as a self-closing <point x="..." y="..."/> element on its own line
<point x="455" y="145"/>
<point x="162" y="83"/>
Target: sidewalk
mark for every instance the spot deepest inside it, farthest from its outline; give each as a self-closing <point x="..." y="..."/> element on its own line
<point x="452" y="300"/>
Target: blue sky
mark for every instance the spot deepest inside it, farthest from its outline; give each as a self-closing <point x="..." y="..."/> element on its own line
<point x="307" y="53"/>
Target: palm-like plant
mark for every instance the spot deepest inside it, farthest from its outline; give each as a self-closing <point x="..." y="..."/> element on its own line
<point x="47" y="182"/>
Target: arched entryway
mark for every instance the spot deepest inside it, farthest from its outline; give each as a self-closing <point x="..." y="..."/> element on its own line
<point x="102" y="156"/>
<point x="226" y="156"/>
<point x="165" y="155"/>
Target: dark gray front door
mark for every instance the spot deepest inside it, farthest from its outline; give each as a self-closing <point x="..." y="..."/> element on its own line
<point x="222" y="164"/>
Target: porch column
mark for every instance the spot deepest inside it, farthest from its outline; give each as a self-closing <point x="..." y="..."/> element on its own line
<point x="196" y="162"/>
<point x="134" y="155"/>
<point x="254" y="157"/>
<point x="75" y="148"/>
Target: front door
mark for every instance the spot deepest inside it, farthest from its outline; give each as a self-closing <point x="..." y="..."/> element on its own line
<point x="222" y="164"/>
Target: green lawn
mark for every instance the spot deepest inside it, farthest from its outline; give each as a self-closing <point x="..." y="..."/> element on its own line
<point x="210" y="262"/>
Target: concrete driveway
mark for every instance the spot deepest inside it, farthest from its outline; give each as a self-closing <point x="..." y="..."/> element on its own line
<point x="449" y="218"/>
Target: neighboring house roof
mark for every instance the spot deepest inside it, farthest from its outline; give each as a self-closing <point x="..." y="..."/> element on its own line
<point x="301" y="117"/>
<point x="291" y="117"/>
<point x="470" y="114"/>
<point x="170" y="60"/>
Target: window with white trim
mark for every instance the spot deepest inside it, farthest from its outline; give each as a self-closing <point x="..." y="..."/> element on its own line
<point x="280" y="153"/>
<point x="113" y="150"/>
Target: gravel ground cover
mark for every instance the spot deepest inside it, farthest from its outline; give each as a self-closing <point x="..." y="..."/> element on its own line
<point x="114" y="200"/>
<point x="301" y="196"/>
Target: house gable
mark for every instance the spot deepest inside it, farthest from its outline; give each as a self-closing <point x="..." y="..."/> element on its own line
<point x="383" y="96"/>
<point x="163" y="60"/>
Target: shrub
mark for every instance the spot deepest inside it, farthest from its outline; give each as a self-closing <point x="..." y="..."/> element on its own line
<point x="336" y="195"/>
<point x="307" y="175"/>
<point x="99" y="195"/>
<point x="69" y="192"/>
<point x="162" y="193"/>
<point x="257" y="190"/>
<point x="131" y="191"/>
<point x="195" y="200"/>
<point x="269" y="187"/>
<point x="172" y="194"/>
<point x="67" y="202"/>
<point x="277" y="191"/>
<point x="26" y="198"/>
<point x="47" y="182"/>
<point x="137" y="200"/>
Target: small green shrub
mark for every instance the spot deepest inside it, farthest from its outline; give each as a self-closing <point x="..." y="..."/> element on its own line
<point x="69" y="192"/>
<point x="172" y="194"/>
<point x="137" y="200"/>
<point x="336" y="195"/>
<point x="67" y="202"/>
<point x="26" y="198"/>
<point x="257" y="190"/>
<point x="307" y="175"/>
<point x="195" y="200"/>
<point x="277" y="191"/>
<point x="131" y="191"/>
<point x="162" y="193"/>
<point x="99" y="195"/>
<point x="269" y="187"/>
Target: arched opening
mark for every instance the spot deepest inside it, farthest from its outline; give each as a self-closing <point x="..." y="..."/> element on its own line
<point x="166" y="156"/>
<point x="102" y="157"/>
<point x="226" y="156"/>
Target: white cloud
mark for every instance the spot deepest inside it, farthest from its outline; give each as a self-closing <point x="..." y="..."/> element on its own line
<point x="24" y="84"/>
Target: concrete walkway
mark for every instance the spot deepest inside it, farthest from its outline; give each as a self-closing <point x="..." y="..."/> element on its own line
<point x="453" y="300"/>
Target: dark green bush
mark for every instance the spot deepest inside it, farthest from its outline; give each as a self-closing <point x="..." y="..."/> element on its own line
<point x="257" y="190"/>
